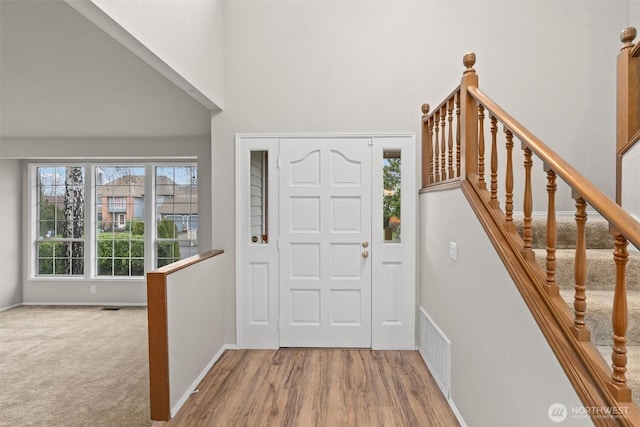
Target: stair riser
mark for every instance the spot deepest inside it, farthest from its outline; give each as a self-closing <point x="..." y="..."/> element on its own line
<point x="601" y="272"/>
<point x="601" y="330"/>
<point x="597" y="234"/>
<point x="598" y="316"/>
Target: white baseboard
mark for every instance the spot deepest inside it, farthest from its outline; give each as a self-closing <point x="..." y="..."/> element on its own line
<point x="194" y="384"/>
<point x="89" y="304"/>
<point x="10" y="307"/>
<point x="457" y="414"/>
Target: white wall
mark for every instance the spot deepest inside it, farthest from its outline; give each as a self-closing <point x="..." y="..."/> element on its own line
<point x="187" y="35"/>
<point x="634" y="14"/>
<point x="503" y="372"/>
<point x="352" y="66"/>
<point x="630" y="179"/>
<point x="10" y="244"/>
<point x="194" y="305"/>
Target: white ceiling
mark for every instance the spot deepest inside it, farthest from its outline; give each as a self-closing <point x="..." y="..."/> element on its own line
<point x="61" y="76"/>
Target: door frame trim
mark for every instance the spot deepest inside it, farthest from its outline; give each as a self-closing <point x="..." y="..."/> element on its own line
<point x="265" y="332"/>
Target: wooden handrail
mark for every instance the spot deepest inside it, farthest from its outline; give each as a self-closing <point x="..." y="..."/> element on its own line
<point x="620" y="219"/>
<point x="565" y="331"/>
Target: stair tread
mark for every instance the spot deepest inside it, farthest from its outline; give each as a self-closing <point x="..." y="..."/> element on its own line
<point x="591" y="253"/>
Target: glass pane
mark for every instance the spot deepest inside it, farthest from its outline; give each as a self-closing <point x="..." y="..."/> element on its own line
<point x="120" y="220"/>
<point x="60" y="215"/>
<point x="258" y="197"/>
<point x="176" y="213"/>
<point x="391" y="201"/>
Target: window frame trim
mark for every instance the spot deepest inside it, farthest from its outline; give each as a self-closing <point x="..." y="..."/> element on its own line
<point x="90" y="217"/>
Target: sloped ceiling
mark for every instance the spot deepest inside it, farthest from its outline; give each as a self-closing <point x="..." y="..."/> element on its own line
<point x="61" y="76"/>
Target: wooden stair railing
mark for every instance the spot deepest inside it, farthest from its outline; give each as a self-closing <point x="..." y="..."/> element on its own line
<point x="597" y="385"/>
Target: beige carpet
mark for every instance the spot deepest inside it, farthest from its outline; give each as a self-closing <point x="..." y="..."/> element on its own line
<point x="74" y="366"/>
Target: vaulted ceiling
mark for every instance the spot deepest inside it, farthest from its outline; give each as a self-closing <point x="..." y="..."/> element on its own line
<point x="61" y="76"/>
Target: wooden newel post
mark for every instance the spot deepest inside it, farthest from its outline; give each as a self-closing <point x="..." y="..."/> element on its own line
<point x="627" y="93"/>
<point x="468" y="119"/>
<point x="426" y="147"/>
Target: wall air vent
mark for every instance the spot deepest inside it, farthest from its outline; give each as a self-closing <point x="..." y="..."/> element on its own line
<point x="435" y="349"/>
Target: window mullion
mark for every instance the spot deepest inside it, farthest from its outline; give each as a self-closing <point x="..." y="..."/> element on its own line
<point x="90" y="222"/>
<point x="149" y="218"/>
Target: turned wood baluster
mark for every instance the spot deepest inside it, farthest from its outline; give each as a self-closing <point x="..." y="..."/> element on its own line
<point x="426" y="149"/>
<point x="431" y="165"/>
<point x="508" y="204"/>
<point x="443" y="150"/>
<point x="527" y="207"/>
<point x="436" y="145"/>
<point x="481" y="184"/>
<point x="458" y="134"/>
<point x="552" y="234"/>
<point x="493" y="202"/>
<point x="619" y="319"/>
<point x="579" y="328"/>
<point x="450" y="118"/>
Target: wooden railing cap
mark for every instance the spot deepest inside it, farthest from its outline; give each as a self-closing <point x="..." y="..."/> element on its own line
<point x="469" y="60"/>
<point x="425" y="109"/>
<point x="627" y="36"/>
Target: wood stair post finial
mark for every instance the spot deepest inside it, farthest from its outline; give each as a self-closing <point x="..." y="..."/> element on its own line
<point x="627" y="36"/>
<point x="469" y="60"/>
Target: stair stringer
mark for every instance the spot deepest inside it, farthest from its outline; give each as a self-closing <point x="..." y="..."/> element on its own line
<point x="581" y="361"/>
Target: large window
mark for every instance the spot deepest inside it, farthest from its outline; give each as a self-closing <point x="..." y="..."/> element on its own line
<point x="140" y="216"/>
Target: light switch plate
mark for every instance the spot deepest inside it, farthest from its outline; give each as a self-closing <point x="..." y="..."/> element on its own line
<point x="453" y="250"/>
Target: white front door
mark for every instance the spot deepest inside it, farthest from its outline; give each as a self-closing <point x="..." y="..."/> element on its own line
<point x="325" y="235"/>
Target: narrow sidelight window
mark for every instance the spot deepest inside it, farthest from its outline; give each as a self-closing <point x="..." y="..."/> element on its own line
<point x="391" y="202"/>
<point x="259" y="192"/>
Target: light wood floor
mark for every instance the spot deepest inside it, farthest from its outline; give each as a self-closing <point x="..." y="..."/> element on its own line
<point x="317" y="387"/>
